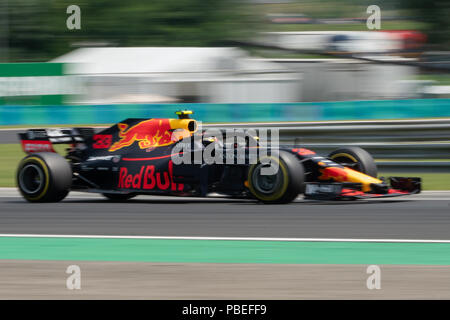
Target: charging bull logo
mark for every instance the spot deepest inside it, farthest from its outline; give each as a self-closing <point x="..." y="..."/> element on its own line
<point x="335" y="173"/>
<point x="149" y="133"/>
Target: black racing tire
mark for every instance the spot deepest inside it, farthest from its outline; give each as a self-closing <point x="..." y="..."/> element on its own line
<point x="355" y="158"/>
<point x="282" y="187"/>
<point x="119" y="197"/>
<point x="44" y="177"/>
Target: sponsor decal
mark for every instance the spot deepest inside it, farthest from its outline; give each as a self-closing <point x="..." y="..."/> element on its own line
<point x="114" y="159"/>
<point x="102" y="141"/>
<point x="149" y="133"/>
<point x="148" y="178"/>
<point x="30" y="146"/>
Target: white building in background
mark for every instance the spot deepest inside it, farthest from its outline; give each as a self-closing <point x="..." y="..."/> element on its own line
<point x="334" y="41"/>
<point x="349" y="79"/>
<point x="179" y="74"/>
<point x="228" y="75"/>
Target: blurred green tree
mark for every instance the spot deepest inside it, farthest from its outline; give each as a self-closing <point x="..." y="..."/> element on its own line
<point x="435" y="13"/>
<point x="37" y="28"/>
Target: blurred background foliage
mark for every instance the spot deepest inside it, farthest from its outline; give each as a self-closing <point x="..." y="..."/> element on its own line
<point x="35" y="30"/>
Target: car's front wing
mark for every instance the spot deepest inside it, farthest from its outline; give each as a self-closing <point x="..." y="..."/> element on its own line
<point x="398" y="186"/>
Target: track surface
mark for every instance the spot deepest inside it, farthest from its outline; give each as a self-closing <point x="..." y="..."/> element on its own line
<point x="425" y="216"/>
<point x="10" y="135"/>
<point x="124" y="280"/>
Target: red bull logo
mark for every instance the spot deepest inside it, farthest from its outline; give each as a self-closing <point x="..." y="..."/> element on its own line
<point x="148" y="178"/>
<point x="149" y="133"/>
<point x="335" y="173"/>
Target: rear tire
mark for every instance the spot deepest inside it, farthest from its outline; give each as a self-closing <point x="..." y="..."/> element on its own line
<point x="355" y="158"/>
<point x="119" y="197"/>
<point x="283" y="186"/>
<point x="44" y="177"/>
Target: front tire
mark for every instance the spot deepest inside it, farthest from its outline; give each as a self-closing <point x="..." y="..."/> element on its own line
<point x="44" y="177"/>
<point x="281" y="187"/>
<point x="355" y="158"/>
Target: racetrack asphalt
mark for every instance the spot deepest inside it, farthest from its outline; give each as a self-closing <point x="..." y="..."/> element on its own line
<point x="10" y="135"/>
<point x="423" y="216"/>
<point x="34" y="268"/>
<point x="21" y="279"/>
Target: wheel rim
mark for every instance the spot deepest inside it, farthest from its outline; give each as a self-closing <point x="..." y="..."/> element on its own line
<point x="31" y="178"/>
<point x="266" y="184"/>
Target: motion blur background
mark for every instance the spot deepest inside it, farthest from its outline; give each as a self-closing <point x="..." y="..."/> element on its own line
<point x="312" y="69"/>
<point x="232" y="61"/>
<point x="182" y="51"/>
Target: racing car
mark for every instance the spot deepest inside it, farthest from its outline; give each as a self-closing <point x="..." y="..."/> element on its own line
<point x="136" y="156"/>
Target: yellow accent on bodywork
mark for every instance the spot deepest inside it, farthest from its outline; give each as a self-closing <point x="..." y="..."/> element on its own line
<point x="182" y="128"/>
<point x="181" y="112"/>
<point x="356" y="176"/>
<point x="359" y="177"/>
<point x="182" y="124"/>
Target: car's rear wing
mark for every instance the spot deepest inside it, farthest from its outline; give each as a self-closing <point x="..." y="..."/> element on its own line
<point x="42" y="140"/>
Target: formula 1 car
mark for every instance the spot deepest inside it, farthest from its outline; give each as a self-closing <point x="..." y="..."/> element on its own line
<point x="136" y="156"/>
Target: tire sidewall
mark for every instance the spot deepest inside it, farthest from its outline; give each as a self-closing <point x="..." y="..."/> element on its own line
<point x="43" y="189"/>
<point x="293" y="179"/>
<point x="57" y="177"/>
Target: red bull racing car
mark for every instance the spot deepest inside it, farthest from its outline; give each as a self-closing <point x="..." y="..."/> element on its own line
<point x="136" y="156"/>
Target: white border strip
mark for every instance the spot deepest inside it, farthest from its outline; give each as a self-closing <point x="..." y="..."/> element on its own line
<point x="6" y="235"/>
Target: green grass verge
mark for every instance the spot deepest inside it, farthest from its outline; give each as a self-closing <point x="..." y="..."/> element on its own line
<point x="430" y="181"/>
<point x="11" y="154"/>
<point x="441" y="79"/>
